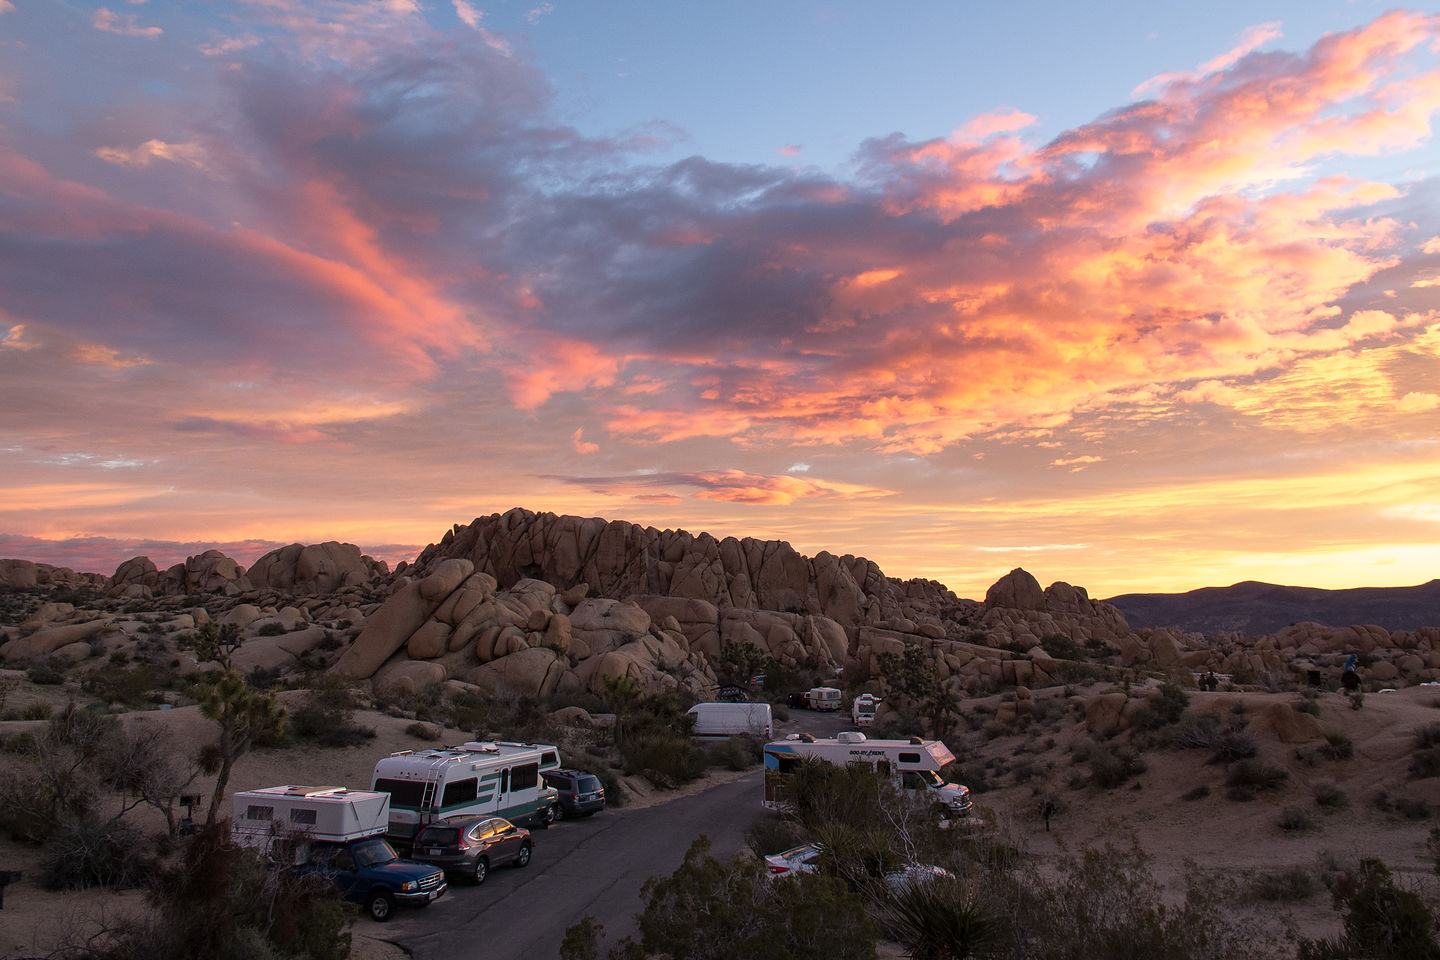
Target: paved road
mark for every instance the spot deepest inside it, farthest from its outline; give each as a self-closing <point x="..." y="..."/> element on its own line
<point x="594" y="865"/>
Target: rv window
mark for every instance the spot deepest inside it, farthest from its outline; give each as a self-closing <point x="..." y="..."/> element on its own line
<point x="403" y="793"/>
<point x="909" y="758"/>
<point x="304" y="817"/>
<point x="461" y="791"/>
<point x="504" y="779"/>
<point x="259" y="813"/>
<point x="525" y="778"/>
<point x="911" y="780"/>
<point x="549" y="759"/>
<point x="788" y="764"/>
<point x="883" y="768"/>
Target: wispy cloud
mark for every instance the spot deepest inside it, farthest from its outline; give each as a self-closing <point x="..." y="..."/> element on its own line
<point x="126" y="25"/>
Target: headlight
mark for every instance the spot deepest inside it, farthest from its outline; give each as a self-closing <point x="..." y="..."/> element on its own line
<point x="409" y="885"/>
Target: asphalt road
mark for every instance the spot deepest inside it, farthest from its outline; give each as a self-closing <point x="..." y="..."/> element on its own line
<point x="595" y="865"/>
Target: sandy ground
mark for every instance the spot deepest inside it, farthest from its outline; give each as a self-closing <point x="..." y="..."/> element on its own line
<point x="1214" y="832"/>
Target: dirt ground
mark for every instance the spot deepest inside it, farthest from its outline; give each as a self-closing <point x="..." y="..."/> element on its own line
<point x="1214" y="832"/>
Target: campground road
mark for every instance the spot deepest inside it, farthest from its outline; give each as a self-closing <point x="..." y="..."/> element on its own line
<point x="595" y="865"/>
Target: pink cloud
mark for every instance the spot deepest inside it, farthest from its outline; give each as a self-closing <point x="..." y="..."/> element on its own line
<point x="127" y="25"/>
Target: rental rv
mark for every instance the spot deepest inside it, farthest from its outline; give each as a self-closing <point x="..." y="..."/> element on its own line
<point x="499" y="777"/>
<point x="333" y="814"/>
<point x="918" y="764"/>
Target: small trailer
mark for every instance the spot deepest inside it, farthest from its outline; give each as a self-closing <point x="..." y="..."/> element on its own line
<point x="823" y="698"/>
<point x="917" y="764"/>
<point x="334" y="814"/>
<point x="500" y="778"/>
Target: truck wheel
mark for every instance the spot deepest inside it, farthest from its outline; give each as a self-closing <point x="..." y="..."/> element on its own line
<point x="380" y="905"/>
<point x="480" y="871"/>
<point x="523" y="857"/>
<point x="551" y="814"/>
<point x="558" y="811"/>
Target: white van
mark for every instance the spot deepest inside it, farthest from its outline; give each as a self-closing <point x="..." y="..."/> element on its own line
<point x="716" y="721"/>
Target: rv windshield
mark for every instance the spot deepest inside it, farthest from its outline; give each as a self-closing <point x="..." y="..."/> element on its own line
<point x="931" y="778"/>
<point x="374" y="852"/>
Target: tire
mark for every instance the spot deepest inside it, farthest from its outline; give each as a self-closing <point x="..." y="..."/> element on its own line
<point x="480" y="871"/>
<point x="551" y="814"/>
<point x="379" y="906"/>
<point x="558" y="812"/>
<point x="523" y="857"/>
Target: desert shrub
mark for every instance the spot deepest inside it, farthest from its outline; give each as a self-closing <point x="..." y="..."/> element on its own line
<point x="1061" y="647"/>
<point x="37" y="711"/>
<point x="44" y="674"/>
<point x="1284" y="884"/>
<point x="1381" y="921"/>
<point x="91" y="852"/>
<point x="325" y="716"/>
<point x="1427" y="736"/>
<point x="708" y="910"/>
<point x="1196" y="793"/>
<point x="943" y="920"/>
<point x="1256" y="774"/>
<point x="1338" y="746"/>
<point x="780" y="710"/>
<point x="1425" y="761"/>
<point x="734" y="753"/>
<point x="1308" y="705"/>
<point x="773" y="834"/>
<point x="1110" y="768"/>
<point x="1240" y="793"/>
<point x="1330" y="797"/>
<point x="1207" y="731"/>
<point x="1163" y="710"/>
<point x="666" y="760"/>
<point x="134" y="686"/>
<point x="600" y="767"/>
<point x="422" y="730"/>
<point x="272" y="629"/>
<point x="1412" y="808"/>
<point x="1294" y="819"/>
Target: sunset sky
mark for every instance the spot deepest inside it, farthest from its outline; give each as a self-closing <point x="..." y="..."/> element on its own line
<point x="1134" y="297"/>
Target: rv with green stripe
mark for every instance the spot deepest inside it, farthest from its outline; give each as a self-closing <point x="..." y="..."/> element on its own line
<point x="500" y="777"/>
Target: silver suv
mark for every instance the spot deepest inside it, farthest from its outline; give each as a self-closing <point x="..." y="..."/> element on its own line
<point x="471" y="845"/>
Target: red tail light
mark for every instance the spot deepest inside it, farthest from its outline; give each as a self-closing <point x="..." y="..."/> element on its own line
<point x="774" y="869"/>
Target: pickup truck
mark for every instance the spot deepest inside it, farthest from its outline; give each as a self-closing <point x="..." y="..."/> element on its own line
<point x="368" y="872"/>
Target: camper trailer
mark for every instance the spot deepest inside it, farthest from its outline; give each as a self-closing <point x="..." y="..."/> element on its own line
<point x="918" y="764"/>
<point x="862" y="710"/>
<point x="501" y="777"/>
<point x="333" y="814"/>
<point x="823" y="698"/>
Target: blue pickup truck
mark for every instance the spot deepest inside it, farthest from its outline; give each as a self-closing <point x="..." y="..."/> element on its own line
<point x="370" y="873"/>
<point x="335" y="832"/>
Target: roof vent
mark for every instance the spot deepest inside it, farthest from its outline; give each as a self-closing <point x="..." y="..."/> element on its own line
<point x="850" y="736"/>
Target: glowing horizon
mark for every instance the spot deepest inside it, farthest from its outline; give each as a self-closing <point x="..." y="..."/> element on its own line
<point x="286" y="271"/>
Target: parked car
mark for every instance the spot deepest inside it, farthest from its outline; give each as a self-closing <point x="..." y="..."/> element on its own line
<point x="370" y="873"/>
<point x="470" y="846"/>
<point x="799" y="859"/>
<point x="915" y="874"/>
<point x="580" y="794"/>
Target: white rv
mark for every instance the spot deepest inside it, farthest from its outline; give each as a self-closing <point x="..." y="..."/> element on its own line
<point x="716" y="721"/>
<point x="333" y="814"/>
<point x="918" y="764"/>
<point x="498" y="777"/>
<point x="862" y="710"/>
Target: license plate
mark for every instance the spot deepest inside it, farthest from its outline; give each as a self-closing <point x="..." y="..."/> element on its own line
<point x="432" y="895"/>
<point x="435" y="851"/>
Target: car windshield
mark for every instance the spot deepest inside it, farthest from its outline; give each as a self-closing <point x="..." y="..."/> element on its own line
<point x="373" y="852"/>
<point x="803" y="852"/>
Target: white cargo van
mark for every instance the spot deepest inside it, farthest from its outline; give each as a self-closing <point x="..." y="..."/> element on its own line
<point x="716" y="721"/>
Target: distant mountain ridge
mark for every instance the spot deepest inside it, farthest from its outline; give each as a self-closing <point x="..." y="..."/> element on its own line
<point x="1252" y="608"/>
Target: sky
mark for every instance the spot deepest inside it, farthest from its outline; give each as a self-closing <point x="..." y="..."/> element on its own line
<point x="1136" y="298"/>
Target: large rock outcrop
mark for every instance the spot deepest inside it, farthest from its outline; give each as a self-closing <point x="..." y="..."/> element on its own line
<point x="317" y="568"/>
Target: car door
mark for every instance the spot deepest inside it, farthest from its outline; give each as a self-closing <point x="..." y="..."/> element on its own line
<point x="503" y="841"/>
<point x="338" y="865"/>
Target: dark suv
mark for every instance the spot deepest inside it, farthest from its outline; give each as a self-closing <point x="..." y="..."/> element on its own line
<point x="580" y="793"/>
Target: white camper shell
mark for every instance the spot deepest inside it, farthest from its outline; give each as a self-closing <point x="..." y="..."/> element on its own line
<point x="918" y="764"/>
<point x="862" y="710"/>
<point x="716" y="721"/>
<point x="500" y="777"/>
<point x="335" y="814"/>
<point x="823" y="698"/>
